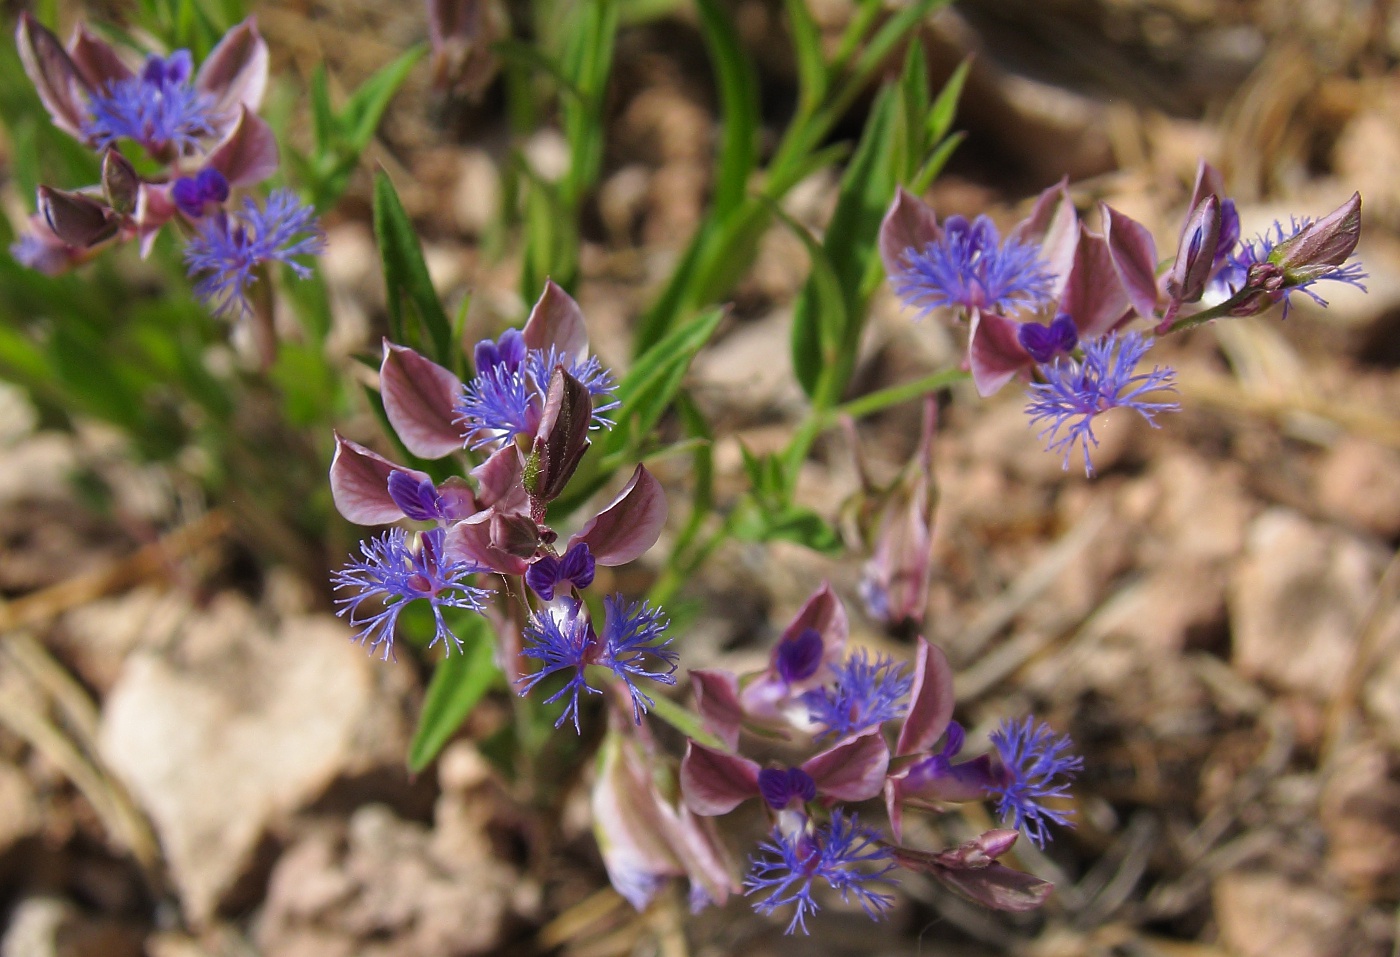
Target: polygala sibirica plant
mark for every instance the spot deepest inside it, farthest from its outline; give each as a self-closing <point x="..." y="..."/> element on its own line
<point x="484" y="550"/>
<point x="196" y="134"/>
<point x="1056" y="303"/>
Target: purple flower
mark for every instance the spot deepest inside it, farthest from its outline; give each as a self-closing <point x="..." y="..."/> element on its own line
<point x="576" y="567"/>
<point x="968" y="268"/>
<point x="158" y="108"/>
<point x="1044" y="343"/>
<point x="799" y="659"/>
<point x="865" y="694"/>
<point x="393" y="573"/>
<point x="507" y="396"/>
<point x="633" y="634"/>
<point x="228" y="249"/>
<point x="1076" y="391"/>
<point x="1037" y="767"/>
<point x="780" y="788"/>
<point x="844" y="854"/>
<point x="194" y="194"/>
<point x="561" y="637"/>
<point x="1259" y="261"/>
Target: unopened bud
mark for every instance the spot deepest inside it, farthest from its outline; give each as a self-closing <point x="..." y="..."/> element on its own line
<point x="76" y="219"/>
<point x="1195" y="256"/>
<point x="120" y="183"/>
<point x="1321" y="246"/>
<point x="562" y="437"/>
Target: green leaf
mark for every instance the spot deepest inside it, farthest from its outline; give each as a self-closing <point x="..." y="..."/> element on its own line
<point x="910" y="142"/>
<point x="935" y="162"/>
<point x="738" y="95"/>
<point x="360" y="115"/>
<point x="651" y="384"/>
<point x="812" y="75"/>
<point x="323" y="124"/>
<point x="406" y="279"/>
<point x="839" y="271"/>
<point x="793" y="524"/>
<point x="457" y="685"/>
<point x="820" y="316"/>
<point x="531" y="57"/>
<point x="945" y="107"/>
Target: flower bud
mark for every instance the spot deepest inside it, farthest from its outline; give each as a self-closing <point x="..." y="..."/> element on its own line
<point x="120" y="183"/>
<point x="1195" y="256"/>
<point x="1320" y="247"/>
<point x="78" y="220"/>
<point x="562" y="437"/>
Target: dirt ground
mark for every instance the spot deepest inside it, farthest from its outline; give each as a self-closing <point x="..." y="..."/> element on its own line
<point x="195" y="761"/>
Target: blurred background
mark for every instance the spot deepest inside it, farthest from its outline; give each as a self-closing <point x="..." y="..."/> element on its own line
<point x="194" y="760"/>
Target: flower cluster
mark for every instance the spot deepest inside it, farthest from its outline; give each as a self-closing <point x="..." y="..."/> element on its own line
<point x="494" y="523"/>
<point x="1053" y="302"/>
<point x="197" y="129"/>
<point x="811" y="690"/>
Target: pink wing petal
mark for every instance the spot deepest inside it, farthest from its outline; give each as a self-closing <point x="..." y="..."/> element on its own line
<point x="1134" y="257"/>
<point x="95" y="59"/>
<point x="360" y="484"/>
<point x="994" y="353"/>
<point x="717" y="700"/>
<point x="630" y="524"/>
<point x="853" y="770"/>
<point x="930" y="701"/>
<point x="1094" y="296"/>
<point x="419" y="399"/>
<point x="557" y="321"/>
<point x="55" y="76"/>
<point x="248" y="153"/>
<point x="714" y="782"/>
<point x="910" y="223"/>
<point x="236" y="70"/>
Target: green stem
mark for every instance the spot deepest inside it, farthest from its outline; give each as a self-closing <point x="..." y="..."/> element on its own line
<point x="895" y="394"/>
<point x="685" y="721"/>
<point x="1214" y="312"/>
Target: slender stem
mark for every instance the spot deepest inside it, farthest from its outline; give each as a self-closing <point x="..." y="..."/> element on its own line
<point x="685" y="721"/>
<point x="895" y="394"/>
<point x="1206" y="315"/>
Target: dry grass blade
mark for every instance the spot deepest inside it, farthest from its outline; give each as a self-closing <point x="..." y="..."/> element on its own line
<point x="1031" y="583"/>
<point x="25" y="716"/>
<point x="149" y="561"/>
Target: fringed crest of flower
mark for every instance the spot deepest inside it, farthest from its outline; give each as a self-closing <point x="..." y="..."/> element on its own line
<point x="228" y="249"/>
<point x="1075" y="391"/>
<point x="969" y="267"/>
<point x="846" y="855"/>
<point x="1260" y="251"/>
<point x="1038" y="766"/>
<point x="158" y="108"/>
<point x="865" y="694"/>
<point x="561" y="637"/>
<point x="635" y="643"/>
<point x="390" y="574"/>
<point x="506" y="398"/>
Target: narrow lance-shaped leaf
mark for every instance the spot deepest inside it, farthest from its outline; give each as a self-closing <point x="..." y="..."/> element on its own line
<point x="458" y="684"/>
<point x="406" y="276"/>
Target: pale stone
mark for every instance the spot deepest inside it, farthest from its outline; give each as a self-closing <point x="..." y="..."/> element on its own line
<point x="240" y="724"/>
<point x="1297" y="602"/>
